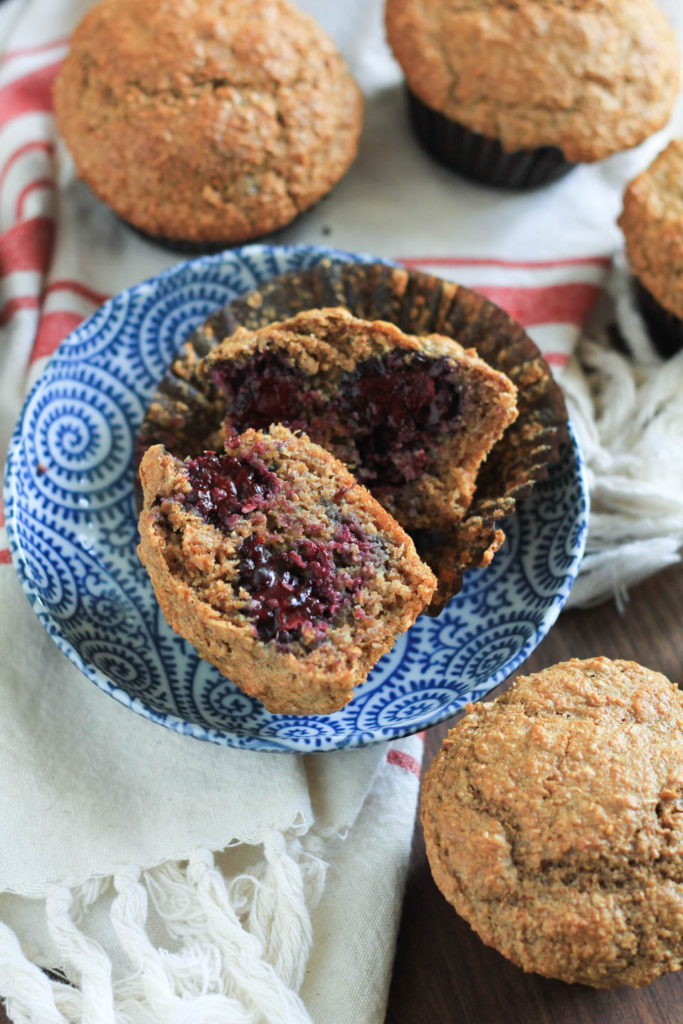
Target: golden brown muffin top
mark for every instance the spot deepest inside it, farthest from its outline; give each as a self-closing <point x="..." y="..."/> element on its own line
<point x="652" y="222"/>
<point x="206" y="120"/>
<point x="553" y="819"/>
<point x="590" y="76"/>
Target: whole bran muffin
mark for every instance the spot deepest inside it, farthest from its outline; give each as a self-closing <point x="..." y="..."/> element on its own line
<point x="652" y="222"/>
<point x="553" y="822"/>
<point x="553" y="83"/>
<point x="206" y="121"/>
<point x="278" y="567"/>
<point x="412" y="418"/>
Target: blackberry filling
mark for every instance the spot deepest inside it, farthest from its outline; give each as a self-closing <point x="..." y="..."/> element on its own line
<point x="293" y="591"/>
<point x="266" y="389"/>
<point x="394" y="406"/>
<point x="398" y="405"/>
<point x="227" y="487"/>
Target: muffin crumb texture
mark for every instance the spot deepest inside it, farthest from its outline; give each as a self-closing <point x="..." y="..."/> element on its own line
<point x="206" y="120"/>
<point x="591" y="77"/>
<point x="553" y="819"/>
<point x="278" y="567"/>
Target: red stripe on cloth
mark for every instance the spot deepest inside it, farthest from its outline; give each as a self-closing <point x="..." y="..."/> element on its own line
<point x="26" y="51"/>
<point x="5" y="557"/>
<point x="53" y="329"/>
<point x="461" y="261"/>
<point x="405" y="761"/>
<point x="13" y="305"/>
<point x="30" y="93"/>
<point x="79" y="289"/>
<point x="27" y="246"/>
<point x="556" y="358"/>
<point x="26" y="191"/>
<point x="554" y="304"/>
<point x="46" y="147"/>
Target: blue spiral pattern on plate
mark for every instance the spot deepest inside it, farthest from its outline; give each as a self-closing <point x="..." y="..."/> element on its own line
<point x="73" y="536"/>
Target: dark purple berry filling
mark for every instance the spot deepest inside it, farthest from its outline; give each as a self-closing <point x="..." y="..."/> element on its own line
<point x="304" y="587"/>
<point x="266" y="389"/>
<point x="395" y="407"/>
<point x="398" y="405"/>
<point x="226" y="487"/>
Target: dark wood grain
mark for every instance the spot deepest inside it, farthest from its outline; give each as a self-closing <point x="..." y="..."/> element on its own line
<point x="443" y="973"/>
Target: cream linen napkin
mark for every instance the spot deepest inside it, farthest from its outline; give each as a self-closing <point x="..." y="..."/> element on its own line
<point x="172" y="880"/>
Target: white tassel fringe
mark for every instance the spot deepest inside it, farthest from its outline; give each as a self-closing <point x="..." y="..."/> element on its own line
<point x="628" y="414"/>
<point x="233" y="952"/>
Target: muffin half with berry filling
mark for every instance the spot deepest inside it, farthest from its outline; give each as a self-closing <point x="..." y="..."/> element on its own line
<point x="278" y="567"/>
<point x="412" y="417"/>
<point x="182" y="412"/>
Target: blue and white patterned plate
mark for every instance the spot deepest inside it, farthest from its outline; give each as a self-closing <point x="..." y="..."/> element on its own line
<point x="72" y="530"/>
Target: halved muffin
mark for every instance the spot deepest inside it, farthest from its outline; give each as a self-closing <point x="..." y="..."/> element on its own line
<point x="412" y="417"/>
<point x="278" y="567"/>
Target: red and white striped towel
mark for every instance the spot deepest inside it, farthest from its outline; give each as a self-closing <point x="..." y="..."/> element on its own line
<point x="545" y="258"/>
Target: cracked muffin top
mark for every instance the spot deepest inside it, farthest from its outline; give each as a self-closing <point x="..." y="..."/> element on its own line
<point x="206" y="120"/>
<point x="652" y="222"/>
<point x="553" y="819"/>
<point x="590" y="76"/>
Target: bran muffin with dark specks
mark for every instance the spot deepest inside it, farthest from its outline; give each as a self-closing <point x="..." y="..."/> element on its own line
<point x="652" y="222"/>
<point x="553" y="819"/>
<point x="206" y="122"/>
<point x="515" y="92"/>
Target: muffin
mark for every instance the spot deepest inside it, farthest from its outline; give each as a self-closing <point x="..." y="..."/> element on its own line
<point x="182" y="413"/>
<point x="652" y="222"/>
<point x="552" y="819"/>
<point x="515" y="94"/>
<point x="278" y="567"/>
<point x="206" y="122"/>
<point x="412" y="418"/>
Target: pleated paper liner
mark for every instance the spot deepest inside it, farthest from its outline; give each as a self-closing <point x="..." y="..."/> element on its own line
<point x="664" y="327"/>
<point x="482" y="159"/>
<point x="183" y="417"/>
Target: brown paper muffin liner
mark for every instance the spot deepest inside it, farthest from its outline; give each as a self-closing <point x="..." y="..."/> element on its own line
<point x="182" y="414"/>
<point x="482" y="159"/>
<point x="665" y="328"/>
<point x="187" y="247"/>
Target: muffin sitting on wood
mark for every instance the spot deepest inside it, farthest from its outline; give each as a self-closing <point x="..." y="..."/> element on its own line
<point x="206" y="122"/>
<point x="553" y="819"/>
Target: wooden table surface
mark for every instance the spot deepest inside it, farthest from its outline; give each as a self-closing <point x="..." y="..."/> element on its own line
<point x="443" y="974"/>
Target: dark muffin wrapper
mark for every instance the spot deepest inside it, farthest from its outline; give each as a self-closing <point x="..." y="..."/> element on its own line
<point x="664" y="327"/>
<point x="481" y="159"/>
<point x="187" y="247"/>
<point x="181" y="415"/>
